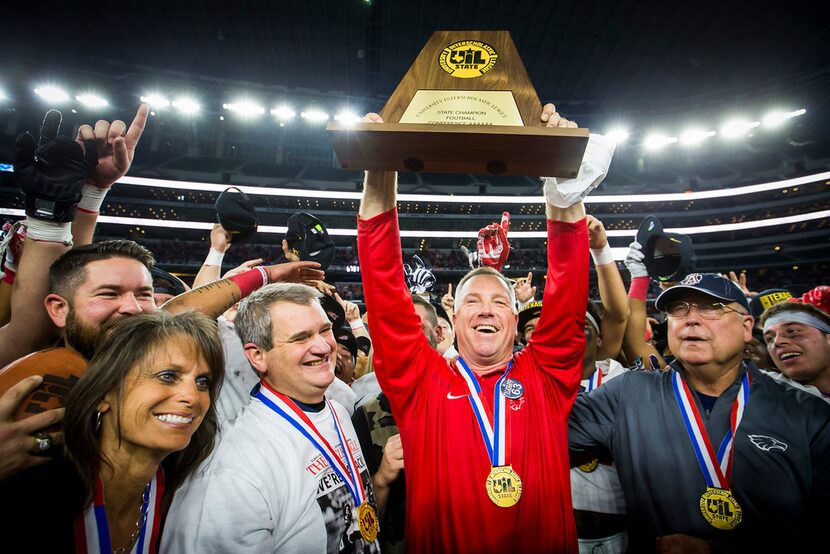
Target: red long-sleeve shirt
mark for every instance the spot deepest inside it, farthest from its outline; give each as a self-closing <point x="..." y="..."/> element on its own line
<point x="445" y="459"/>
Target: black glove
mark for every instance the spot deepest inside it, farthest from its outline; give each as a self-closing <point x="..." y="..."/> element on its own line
<point x="52" y="175"/>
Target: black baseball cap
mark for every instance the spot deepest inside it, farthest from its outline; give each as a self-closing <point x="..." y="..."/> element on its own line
<point x="668" y="256"/>
<point x="767" y="299"/>
<point x="334" y="310"/>
<point x="236" y="214"/>
<point x="167" y="283"/>
<point x="345" y="337"/>
<point x="710" y="284"/>
<point x="530" y="311"/>
<point x="308" y="238"/>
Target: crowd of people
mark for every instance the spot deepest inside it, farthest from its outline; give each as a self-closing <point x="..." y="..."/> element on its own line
<point x="265" y="410"/>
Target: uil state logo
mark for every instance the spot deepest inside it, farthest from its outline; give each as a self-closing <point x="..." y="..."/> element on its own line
<point x="720" y="509"/>
<point x="467" y="59"/>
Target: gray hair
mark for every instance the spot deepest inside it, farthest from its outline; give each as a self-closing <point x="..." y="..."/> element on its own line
<point x="253" y="320"/>
<point x="484" y="271"/>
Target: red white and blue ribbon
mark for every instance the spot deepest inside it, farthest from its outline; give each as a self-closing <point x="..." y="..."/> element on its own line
<point x="716" y="468"/>
<point x="594" y="381"/>
<point x="496" y="438"/>
<point x="92" y="533"/>
<point x="288" y="409"/>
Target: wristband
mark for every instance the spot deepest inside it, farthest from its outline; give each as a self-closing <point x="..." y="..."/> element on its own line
<point x="91" y="199"/>
<point x="602" y="256"/>
<point x="639" y="288"/>
<point x="250" y="281"/>
<point x="214" y="257"/>
<point x="357" y="324"/>
<point x="521" y="304"/>
<point x="49" y="231"/>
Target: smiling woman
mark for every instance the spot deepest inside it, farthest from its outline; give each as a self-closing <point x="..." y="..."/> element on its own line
<point x="137" y="423"/>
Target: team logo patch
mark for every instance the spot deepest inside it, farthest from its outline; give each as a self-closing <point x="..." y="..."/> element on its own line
<point x="517" y="404"/>
<point x="692" y="279"/>
<point x="767" y="444"/>
<point x="467" y="59"/>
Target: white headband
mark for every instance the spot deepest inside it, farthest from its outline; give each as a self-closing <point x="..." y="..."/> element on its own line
<point x="793" y="316"/>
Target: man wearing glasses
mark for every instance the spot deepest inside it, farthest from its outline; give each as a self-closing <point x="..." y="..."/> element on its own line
<point x="713" y="455"/>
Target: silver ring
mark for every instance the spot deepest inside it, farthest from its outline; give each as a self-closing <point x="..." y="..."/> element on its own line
<point x="43" y="442"/>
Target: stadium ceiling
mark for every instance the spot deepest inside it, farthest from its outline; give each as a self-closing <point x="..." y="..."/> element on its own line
<point x="592" y="56"/>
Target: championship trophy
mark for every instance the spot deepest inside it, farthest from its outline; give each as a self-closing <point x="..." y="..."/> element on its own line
<point x="466" y="105"/>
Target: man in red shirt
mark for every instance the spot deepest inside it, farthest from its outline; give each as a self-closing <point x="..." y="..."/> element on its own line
<point x="484" y="438"/>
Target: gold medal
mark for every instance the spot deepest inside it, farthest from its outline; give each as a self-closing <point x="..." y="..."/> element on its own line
<point x="589" y="467"/>
<point x="504" y="487"/>
<point x="720" y="509"/>
<point x="367" y="522"/>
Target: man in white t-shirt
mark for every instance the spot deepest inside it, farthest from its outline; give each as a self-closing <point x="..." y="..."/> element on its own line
<point x="288" y="475"/>
<point x="596" y="492"/>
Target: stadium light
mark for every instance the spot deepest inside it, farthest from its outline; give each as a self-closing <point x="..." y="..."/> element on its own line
<point x="283" y="113"/>
<point x="52" y="94"/>
<point x="618" y="135"/>
<point x="156" y="101"/>
<point x="187" y="106"/>
<point x="347" y="117"/>
<point x="657" y="141"/>
<point x="315" y="116"/>
<point x="775" y="119"/>
<point x="693" y="137"/>
<point x="245" y="108"/>
<point x="737" y="128"/>
<point x="92" y="100"/>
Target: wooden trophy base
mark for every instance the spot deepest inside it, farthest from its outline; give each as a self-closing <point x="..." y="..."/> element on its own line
<point x="477" y="149"/>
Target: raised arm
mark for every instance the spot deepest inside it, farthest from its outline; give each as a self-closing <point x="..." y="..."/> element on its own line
<point x="211" y="270"/>
<point x="559" y="340"/>
<point x="215" y="298"/>
<point x="51" y="173"/>
<point x="402" y="354"/>
<point x="611" y="292"/>
<point x="634" y="342"/>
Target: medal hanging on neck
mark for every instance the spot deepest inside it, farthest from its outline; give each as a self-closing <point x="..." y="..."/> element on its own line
<point x="367" y="520"/>
<point x="503" y="484"/>
<point x="717" y="505"/>
<point x="92" y="533"/>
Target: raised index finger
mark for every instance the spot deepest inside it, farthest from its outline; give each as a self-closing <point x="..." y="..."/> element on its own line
<point x="137" y="126"/>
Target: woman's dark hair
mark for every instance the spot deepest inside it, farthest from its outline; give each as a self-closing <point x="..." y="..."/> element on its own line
<point x="131" y="343"/>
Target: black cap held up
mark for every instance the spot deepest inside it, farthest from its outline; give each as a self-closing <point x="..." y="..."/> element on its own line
<point x="668" y="256"/>
<point x="307" y="237"/>
<point x="235" y="212"/>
